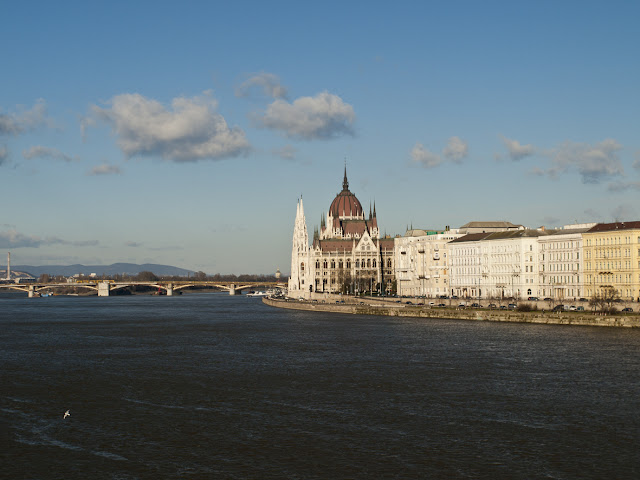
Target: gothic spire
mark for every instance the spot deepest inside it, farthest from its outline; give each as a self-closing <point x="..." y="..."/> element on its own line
<point x="345" y="182"/>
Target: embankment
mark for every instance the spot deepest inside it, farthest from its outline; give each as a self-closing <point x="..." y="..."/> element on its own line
<point x="395" y="310"/>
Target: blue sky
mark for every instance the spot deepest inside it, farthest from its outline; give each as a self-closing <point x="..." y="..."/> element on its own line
<point x="183" y="133"/>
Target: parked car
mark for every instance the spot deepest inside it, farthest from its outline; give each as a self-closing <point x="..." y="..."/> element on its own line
<point x="627" y="309"/>
<point x="580" y="309"/>
<point x="547" y="299"/>
<point x="441" y="305"/>
<point x="492" y="306"/>
<point x="476" y="305"/>
<point x="431" y="304"/>
<point x="503" y="307"/>
<point x="533" y="299"/>
<point x="582" y="299"/>
<point x="558" y="308"/>
<point x="572" y="308"/>
<point x="512" y="306"/>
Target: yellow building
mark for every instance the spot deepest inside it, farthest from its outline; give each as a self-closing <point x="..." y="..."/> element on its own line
<point x="612" y="259"/>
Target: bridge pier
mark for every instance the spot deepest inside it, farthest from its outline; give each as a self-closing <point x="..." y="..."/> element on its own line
<point x="170" y="290"/>
<point x="103" y="289"/>
<point x="31" y="291"/>
<point x="232" y="289"/>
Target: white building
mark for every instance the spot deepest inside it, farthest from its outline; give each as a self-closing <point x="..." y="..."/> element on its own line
<point x="562" y="264"/>
<point x="495" y="265"/>
<point x="421" y="262"/>
<point x="519" y="264"/>
<point x="347" y="254"/>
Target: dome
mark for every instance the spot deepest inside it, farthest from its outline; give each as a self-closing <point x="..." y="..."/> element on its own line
<point x="345" y="204"/>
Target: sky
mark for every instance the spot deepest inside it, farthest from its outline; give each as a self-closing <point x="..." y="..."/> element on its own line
<point x="184" y="133"/>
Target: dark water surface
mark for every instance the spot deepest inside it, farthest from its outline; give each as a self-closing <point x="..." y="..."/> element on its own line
<point x="214" y="386"/>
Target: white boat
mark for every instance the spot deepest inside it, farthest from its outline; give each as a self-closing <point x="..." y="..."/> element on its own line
<point x="257" y="294"/>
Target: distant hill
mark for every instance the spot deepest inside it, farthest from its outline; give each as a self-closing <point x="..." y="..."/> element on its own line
<point x="116" y="268"/>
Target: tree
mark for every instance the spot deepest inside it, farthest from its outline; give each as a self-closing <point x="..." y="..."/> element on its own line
<point x="605" y="299"/>
<point x="146" y="276"/>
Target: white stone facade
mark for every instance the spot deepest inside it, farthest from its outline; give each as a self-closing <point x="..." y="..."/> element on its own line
<point x="421" y="262"/>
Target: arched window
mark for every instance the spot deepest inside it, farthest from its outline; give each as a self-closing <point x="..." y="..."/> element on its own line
<point x="357" y="263"/>
<point x="389" y="263"/>
<point x="324" y="264"/>
<point x="348" y="263"/>
<point x="333" y="264"/>
<point x="374" y="264"/>
<point x="340" y="264"/>
<point x="368" y="263"/>
<point x="317" y="263"/>
<point x="529" y="292"/>
<point x="302" y="267"/>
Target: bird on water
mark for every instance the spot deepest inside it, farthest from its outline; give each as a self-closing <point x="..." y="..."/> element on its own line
<point x="66" y="414"/>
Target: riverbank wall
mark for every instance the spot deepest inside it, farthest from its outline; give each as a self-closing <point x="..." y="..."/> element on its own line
<point x="401" y="310"/>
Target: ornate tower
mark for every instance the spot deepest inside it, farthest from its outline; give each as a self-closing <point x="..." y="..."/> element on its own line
<point x="298" y="282"/>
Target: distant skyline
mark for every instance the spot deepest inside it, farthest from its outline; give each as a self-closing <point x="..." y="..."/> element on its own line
<point x="184" y="133"/>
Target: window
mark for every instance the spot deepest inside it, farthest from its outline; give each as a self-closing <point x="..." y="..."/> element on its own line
<point x="333" y="264"/>
<point x="325" y="264"/>
<point x="302" y="267"/>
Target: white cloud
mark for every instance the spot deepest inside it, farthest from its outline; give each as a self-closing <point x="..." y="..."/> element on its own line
<point x="39" y="151"/>
<point x="105" y="169"/>
<point x="456" y="150"/>
<point x="191" y="130"/>
<point x="14" y="239"/>
<point x="636" y="163"/>
<point x="516" y="150"/>
<point x="623" y="213"/>
<point x="17" y="123"/>
<point x="267" y="83"/>
<point x="323" y="117"/>
<point x="622" y="186"/>
<point x="593" y="162"/>
<point x="424" y="157"/>
<point x="287" y="152"/>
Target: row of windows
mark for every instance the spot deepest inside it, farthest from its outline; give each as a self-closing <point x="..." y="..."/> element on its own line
<point x="608" y="241"/>
<point x="369" y="263"/>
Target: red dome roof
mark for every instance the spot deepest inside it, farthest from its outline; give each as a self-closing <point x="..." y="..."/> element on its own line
<point x="345" y="204"/>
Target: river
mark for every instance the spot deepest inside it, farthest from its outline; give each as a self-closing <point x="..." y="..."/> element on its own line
<point x="217" y="386"/>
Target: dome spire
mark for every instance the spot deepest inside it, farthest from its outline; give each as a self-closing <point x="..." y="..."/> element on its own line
<point x="345" y="182"/>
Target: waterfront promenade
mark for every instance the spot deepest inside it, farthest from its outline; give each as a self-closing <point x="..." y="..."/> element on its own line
<point x="378" y="307"/>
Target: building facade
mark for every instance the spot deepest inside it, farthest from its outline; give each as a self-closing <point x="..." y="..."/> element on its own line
<point x="612" y="259"/>
<point x="347" y="254"/>
<point x="561" y="274"/>
<point x="421" y="262"/>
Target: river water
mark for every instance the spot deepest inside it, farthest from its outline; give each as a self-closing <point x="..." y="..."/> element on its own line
<point x="204" y="386"/>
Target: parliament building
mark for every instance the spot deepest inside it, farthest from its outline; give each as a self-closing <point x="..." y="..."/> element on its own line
<point x="347" y="254"/>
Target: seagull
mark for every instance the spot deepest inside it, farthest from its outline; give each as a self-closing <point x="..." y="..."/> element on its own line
<point x="66" y="414"/>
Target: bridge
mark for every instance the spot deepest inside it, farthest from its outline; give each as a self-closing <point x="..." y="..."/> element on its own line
<point x="105" y="287"/>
